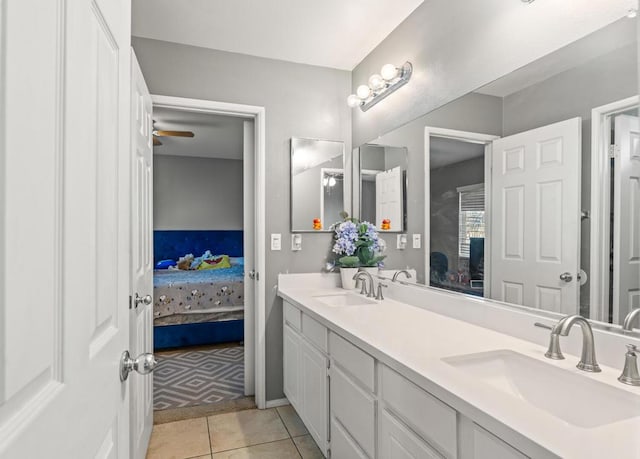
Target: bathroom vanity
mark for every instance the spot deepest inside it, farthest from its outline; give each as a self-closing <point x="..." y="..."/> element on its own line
<point x="402" y="378"/>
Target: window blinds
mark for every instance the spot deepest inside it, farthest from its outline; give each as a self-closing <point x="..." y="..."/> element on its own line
<point x="471" y="216"/>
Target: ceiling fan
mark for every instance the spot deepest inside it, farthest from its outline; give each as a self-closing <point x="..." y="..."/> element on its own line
<point x="160" y="133"/>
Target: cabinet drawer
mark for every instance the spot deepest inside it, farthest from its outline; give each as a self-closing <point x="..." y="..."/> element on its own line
<point x="315" y="332"/>
<point x="357" y="362"/>
<point x="398" y="442"/>
<point x="426" y="415"/>
<point x="342" y="446"/>
<point x="485" y="444"/>
<point x="292" y="315"/>
<point x="354" y="408"/>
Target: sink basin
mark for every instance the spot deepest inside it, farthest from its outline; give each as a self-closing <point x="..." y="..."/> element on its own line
<point x="344" y="299"/>
<point x="575" y="399"/>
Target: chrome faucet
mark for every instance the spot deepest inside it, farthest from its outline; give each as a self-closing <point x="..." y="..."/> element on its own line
<point x="365" y="290"/>
<point x="588" y="359"/>
<point x="628" y="321"/>
<point x="402" y="271"/>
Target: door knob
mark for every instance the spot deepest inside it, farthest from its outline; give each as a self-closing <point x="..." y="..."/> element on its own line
<point x="146" y="300"/>
<point x="566" y="277"/>
<point x="143" y="364"/>
<point x="252" y="274"/>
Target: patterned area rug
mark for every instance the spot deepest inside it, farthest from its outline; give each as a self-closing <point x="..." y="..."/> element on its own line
<point x="198" y="377"/>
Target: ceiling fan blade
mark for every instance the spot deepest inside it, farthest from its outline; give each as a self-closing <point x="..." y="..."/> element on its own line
<point x="156" y="142"/>
<point x="173" y="133"/>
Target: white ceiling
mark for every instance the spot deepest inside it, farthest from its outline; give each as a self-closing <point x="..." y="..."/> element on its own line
<point x="328" y="33"/>
<point x="216" y="136"/>
<point x="444" y="152"/>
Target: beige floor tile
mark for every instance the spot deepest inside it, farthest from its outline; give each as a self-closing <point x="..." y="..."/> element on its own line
<point x="292" y="421"/>
<point x="283" y="449"/>
<point x="179" y="440"/>
<point x="307" y="447"/>
<point x="245" y="428"/>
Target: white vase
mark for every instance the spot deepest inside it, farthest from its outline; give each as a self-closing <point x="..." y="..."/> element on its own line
<point x="348" y="281"/>
<point x="373" y="270"/>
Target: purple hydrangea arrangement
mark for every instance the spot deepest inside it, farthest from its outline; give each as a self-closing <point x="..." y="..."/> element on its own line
<point x="357" y="243"/>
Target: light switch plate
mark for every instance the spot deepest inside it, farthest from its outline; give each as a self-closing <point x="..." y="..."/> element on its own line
<point x="401" y="242"/>
<point x="417" y="241"/>
<point x="276" y="241"/>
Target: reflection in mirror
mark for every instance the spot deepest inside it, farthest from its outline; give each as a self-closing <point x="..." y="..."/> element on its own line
<point x="532" y="194"/>
<point x="317" y="184"/>
<point x="383" y="190"/>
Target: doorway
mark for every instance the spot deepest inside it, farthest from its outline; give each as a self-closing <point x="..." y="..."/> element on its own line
<point x="614" y="218"/>
<point x="244" y="245"/>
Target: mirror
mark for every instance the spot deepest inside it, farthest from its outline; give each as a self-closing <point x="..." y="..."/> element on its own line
<point x="532" y="195"/>
<point x="382" y="186"/>
<point x="317" y="184"/>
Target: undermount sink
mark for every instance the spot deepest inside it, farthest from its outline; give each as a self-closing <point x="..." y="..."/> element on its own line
<point x="575" y="399"/>
<point x="344" y="299"/>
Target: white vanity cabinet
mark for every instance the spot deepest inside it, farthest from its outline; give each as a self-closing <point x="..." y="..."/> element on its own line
<point x="355" y="406"/>
<point x="306" y="363"/>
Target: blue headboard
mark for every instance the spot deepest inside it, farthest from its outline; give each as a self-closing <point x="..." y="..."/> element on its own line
<point x="170" y="245"/>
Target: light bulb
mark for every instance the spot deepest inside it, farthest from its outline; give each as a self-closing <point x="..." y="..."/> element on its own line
<point x="325" y="181"/>
<point x="363" y="91"/>
<point x="376" y="82"/>
<point x="332" y="181"/>
<point x="632" y="13"/>
<point x="353" y="101"/>
<point x="389" y="71"/>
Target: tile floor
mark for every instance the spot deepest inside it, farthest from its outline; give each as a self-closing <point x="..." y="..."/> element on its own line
<point x="276" y="433"/>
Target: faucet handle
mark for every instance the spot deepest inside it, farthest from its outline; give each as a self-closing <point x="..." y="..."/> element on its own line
<point x="554" y="351"/>
<point x="379" y="296"/>
<point x="630" y="373"/>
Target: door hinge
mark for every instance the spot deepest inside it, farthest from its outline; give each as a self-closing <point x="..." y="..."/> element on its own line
<point x="130" y="302"/>
<point x="614" y="151"/>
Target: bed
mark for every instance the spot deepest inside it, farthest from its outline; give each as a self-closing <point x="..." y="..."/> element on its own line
<point x="198" y="306"/>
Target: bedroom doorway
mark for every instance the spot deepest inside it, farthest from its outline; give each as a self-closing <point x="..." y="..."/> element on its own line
<point x="206" y="166"/>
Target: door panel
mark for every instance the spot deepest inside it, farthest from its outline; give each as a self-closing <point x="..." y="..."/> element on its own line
<point x="626" y="212"/>
<point x="535" y="217"/>
<point x="65" y="228"/>
<point x="314" y="393"/>
<point x="141" y="315"/>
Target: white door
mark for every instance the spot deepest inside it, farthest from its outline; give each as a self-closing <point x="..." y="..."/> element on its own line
<point x="249" y="225"/>
<point x="389" y="199"/>
<point x="626" y="214"/>
<point x="141" y="311"/>
<point x="536" y="216"/>
<point x="314" y="390"/>
<point x="64" y="228"/>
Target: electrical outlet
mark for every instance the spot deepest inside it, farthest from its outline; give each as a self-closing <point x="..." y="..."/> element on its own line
<point x="296" y="242"/>
<point x="417" y="241"/>
<point x="276" y="241"/>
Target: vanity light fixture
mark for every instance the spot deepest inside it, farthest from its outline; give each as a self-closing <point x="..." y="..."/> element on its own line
<point x="380" y="86"/>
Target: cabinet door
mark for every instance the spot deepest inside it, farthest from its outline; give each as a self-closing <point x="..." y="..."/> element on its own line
<point x="291" y="363"/>
<point x="398" y="442"/>
<point x="342" y="445"/>
<point x="314" y="393"/>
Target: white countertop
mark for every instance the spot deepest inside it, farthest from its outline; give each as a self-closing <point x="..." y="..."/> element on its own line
<point x="413" y="341"/>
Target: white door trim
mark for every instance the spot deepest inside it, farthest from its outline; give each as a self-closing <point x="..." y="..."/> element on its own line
<point x="258" y="115"/>
<point x="600" y="205"/>
<point x="465" y="136"/>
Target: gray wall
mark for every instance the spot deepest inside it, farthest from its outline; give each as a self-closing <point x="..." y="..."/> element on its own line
<point x="300" y="101"/>
<point x="474" y="113"/>
<point x="458" y="46"/>
<point x="445" y="204"/>
<point x="196" y="193"/>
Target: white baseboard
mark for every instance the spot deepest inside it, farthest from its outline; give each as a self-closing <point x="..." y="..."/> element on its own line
<point x="277" y="403"/>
